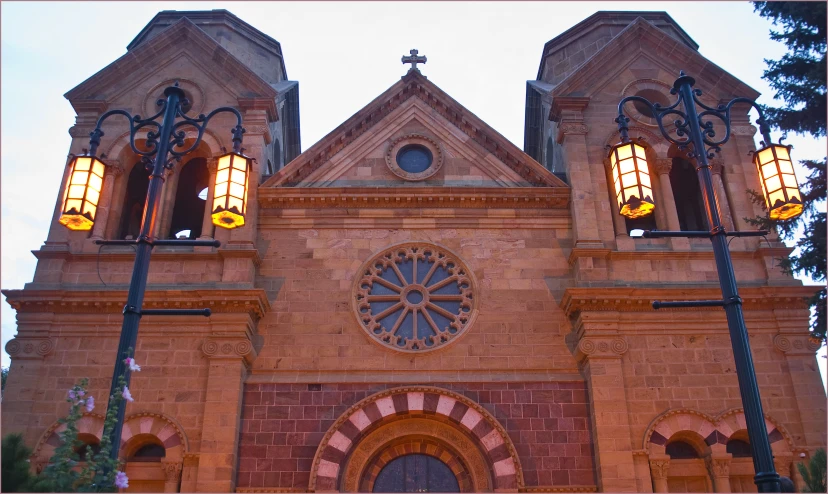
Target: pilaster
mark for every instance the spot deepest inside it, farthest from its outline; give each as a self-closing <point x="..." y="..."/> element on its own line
<point x="663" y="167"/>
<point x="717" y="168"/>
<point x="800" y="353"/>
<point x="23" y="388"/>
<point x="114" y="169"/>
<point x="218" y="458"/>
<point x="659" y="468"/>
<point x="207" y="221"/>
<point x="600" y="358"/>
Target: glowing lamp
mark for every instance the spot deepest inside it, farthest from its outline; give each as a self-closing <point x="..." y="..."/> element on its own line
<point x="631" y="178"/>
<point x="83" y="190"/>
<point x="230" y="193"/>
<point x="782" y="195"/>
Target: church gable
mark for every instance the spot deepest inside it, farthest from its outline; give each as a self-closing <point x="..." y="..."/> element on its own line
<point x="186" y="50"/>
<point x="414" y="116"/>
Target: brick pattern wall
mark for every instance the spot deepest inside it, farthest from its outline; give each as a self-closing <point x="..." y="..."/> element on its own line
<point x="283" y="424"/>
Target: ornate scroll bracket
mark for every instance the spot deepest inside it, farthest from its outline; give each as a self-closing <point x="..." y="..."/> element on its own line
<point x="227" y="348"/>
<point x="29" y="348"/>
<point x="601" y="348"/>
<point x="795" y="344"/>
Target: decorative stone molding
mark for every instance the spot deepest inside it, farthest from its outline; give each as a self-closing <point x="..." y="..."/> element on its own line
<point x="716" y="166"/>
<point x="172" y="470"/>
<point x="561" y="488"/>
<point x="212" y="166"/>
<point x="601" y="347"/>
<point x="429" y="197"/>
<point x="714" y="430"/>
<point x="79" y="132"/>
<point x="718" y="467"/>
<point x="414" y="296"/>
<point x="795" y="344"/>
<point x="166" y="430"/>
<point x="229" y="348"/>
<point x="659" y="468"/>
<point x="663" y="166"/>
<point x="190" y="459"/>
<point x="422" y="402"/>
<point x="397" y="144"/>
<point x="743" y="130"/>
<point x="89" y="423"/>
<point x="29" y="348"/>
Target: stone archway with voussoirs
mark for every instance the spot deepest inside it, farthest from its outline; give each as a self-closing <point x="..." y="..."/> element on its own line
<point x="477" y="447"/>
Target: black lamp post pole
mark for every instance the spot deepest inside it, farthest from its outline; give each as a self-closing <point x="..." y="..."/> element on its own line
<point x="162" y="139"/>
<point x="700" y="135"/>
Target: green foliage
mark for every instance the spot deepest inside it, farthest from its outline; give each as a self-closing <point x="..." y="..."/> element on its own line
<point x="5" y="374"/>
<point x="799" y="79"/>
<point x="66" y="471"/>
<point x="799" y="76"/>
<point x="814" y="473"/>
<point x="15" y="463"/>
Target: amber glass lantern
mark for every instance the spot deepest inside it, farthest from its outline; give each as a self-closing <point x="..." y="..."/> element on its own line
<point x="83" y="190"/>
<point x="230" y="193"/>
<point x="631" y="178"/>
<point x="782" y="195"/>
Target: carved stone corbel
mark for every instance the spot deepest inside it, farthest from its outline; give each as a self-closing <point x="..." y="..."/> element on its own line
<point x="608" y="347"/>
<point x="229" y="348"/>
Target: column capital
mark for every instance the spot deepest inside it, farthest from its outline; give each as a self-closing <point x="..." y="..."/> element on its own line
<point x="29" y="348"/>
<point x="212" y="165"/>
<point x="229" y="348"/>
<point x="663" y="165"/>
<point x="718" y="466"/>
<point x="795" y="344"/>
<point x="172" y="469"/>
<point x="716" y="166"/>
<point x="601" y="347"/>
<point x="659" y="467"/>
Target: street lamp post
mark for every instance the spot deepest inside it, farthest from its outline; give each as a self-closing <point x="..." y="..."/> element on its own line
<point x="84" y="187"/>
<point x="695" y="131"/>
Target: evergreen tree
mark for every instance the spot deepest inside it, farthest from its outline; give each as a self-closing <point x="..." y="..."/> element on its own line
<point x="15" y="464"/>
<point x="799" y="80"/>
<point x="814" y="473"/>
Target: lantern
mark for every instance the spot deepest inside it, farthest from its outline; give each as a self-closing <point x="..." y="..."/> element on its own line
<point x="230" y="193"/>
<point x="80" y="199"/>
<point x="779" y="184"/>
<point x="631" y="177"/>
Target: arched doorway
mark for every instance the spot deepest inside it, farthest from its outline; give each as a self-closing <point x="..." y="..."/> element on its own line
<point x="416" y="473"/>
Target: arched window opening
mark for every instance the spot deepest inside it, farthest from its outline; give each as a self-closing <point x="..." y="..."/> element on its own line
<point x="416" y="473"/>
<point x="134" y="199"/>
<point x="739" y="448"/>
<point x="188" y="211"/>
<point x="680" y="450"/>
<point x="277" y="155"/>
<point x="687" y="193"/>
<point x="91" y="445"/>
<point x="148" y="453"/>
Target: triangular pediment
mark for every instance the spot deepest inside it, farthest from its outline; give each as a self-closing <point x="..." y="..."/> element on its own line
<point x="181" y="41"/>
<point x="643" y="39"/>
<point x="356" y="154"/>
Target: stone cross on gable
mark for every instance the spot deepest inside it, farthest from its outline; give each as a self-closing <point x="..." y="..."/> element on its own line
<point x="414" y="60"/>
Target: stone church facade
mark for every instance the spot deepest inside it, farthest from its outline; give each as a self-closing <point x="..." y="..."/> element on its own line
<point x="414" y="298"/>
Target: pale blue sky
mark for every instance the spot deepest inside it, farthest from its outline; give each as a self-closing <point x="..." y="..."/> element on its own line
<point x="343" y="55"/>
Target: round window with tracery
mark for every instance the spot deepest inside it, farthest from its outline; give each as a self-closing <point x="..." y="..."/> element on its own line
<point x="415" y="297"/>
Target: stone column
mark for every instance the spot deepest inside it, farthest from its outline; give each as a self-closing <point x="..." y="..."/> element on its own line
<point x="809" y="394"/>
<point x="659" y="467"/>
<point x="618" y="223"/>
<point x="572" y="137"/>
<point x="207" y="222"/>
<point x="719" y="469"/>
<point x="189" y="472"/>
<point x="717" y="168"/>
<point x="600" y="358"/>
<point x="172" y="474"/>
<point x="105" y="203"/>
<point x="165" y="212"/>
<point x="218" y="457"/>
<point x="663" y="167"/>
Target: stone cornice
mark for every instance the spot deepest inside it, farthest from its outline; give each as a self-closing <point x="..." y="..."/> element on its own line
<point x="251" y="301"/>
<point x="407" y="197"/>
<point x="673" y="255"/>
<point x="560" y="488"/>
<point x="158" y="255"/>
<point x="627" y="299"/>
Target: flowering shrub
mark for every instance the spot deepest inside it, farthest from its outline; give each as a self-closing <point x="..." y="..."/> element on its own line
<point x="96" y="472"/>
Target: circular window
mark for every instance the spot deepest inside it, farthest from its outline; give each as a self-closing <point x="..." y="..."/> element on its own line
<point x="653" y="96"/>
<point x="414" y="158"/>
<point x="652" y="90"/>
<point x="415" y="297"/>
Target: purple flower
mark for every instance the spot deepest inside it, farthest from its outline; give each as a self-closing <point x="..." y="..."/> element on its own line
<point x="72" y="395"/>
<point x="127" y="397"/>
<point x="80" y="393"/>
<point x="90" y="403"/>
<point x="132" y="365"/>
<point x="121" y="480"/>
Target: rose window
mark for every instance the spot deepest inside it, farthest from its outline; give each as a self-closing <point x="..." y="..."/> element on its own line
<point x="415" y="297"/>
